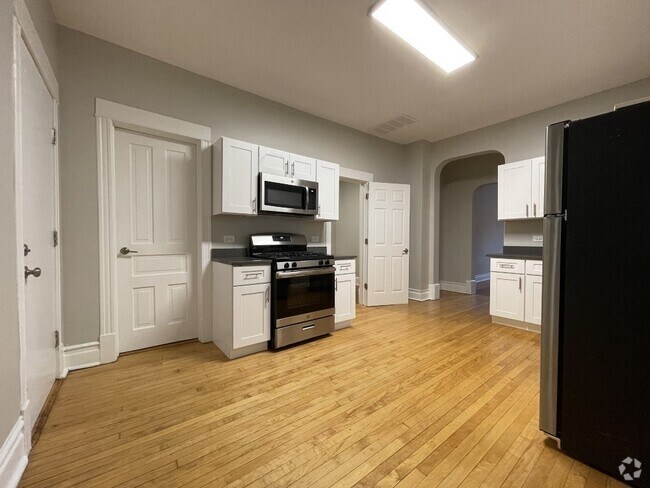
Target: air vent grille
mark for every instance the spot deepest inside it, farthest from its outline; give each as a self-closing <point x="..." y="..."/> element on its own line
<point x="393" y="124"/>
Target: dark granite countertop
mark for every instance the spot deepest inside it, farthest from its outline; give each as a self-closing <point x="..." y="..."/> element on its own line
<point x="518" y="252"/>
<point x="337" y="257"/>
<point x="240" y="261"/>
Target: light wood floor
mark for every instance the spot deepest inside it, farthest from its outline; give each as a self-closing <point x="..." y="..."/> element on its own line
<point x="427" y="394"/>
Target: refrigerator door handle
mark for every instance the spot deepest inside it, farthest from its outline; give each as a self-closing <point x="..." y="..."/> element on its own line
<point x="550" y="330"/>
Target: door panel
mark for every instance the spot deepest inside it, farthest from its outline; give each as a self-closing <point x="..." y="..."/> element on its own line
<point x="251" y="315"/>
<point x="514" y="190"/>
<point x="327" y="175"/>
<point x="507" y="295"/>
<point x="156" y="220"/>
<point x="388" y="243"/>
<point x="534" y="299"/>
<point x="538" y="169"/>
<point x="36" y="108"/>
<point x="345" y="297"/>
<point x="235" y="189"/>
<point x="303" y="168"/>
<point x="273" y="161"/>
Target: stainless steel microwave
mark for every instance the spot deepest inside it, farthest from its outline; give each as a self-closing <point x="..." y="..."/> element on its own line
<point x="282" y="194"/>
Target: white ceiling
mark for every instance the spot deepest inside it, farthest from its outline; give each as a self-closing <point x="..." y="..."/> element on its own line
<point x="329" y="58"/>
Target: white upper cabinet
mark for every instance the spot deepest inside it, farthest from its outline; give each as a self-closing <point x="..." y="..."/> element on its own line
<point x="514" y="190"/>
<point x="234" y="177"/>
<point x="327" y="176"/>
<point x="538" y="170"/>
<point x="274" y="161"/>
<point x="521" y="189"/>
<point x="302" y="167"/>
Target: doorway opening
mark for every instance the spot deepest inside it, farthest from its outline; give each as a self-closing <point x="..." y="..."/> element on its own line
<point x="469" y="228"/>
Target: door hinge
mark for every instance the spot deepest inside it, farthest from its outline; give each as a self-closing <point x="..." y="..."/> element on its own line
<point x="365" y="241"/>
<point x="365" y="286"/>
<point x="53" y="136"/>
<point x="55" y="238"/>
<point x="57" y="339"/>
<point x="367" y="196"/>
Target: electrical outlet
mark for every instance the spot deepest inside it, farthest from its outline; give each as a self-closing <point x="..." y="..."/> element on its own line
<point x="228" y="239"/>
<point x="315" y="238"/>
<point x="538" y="238"/>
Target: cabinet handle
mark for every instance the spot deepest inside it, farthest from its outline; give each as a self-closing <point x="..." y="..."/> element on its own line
<point x="254" y="205"/>
<point x="509" y="266"/>
<point x="251" y="276"/>
<point x="534" y="210"/>
<point x="266" y="295"/>
<point x="286" y="168"/>
<point x="336" y="284"/>
<point x="520" y="283"/>
<point x="526" y="210"/>
<point x="293" y="169"/>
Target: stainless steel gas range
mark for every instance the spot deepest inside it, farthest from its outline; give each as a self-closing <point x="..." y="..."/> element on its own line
<point x="302" y="288"/>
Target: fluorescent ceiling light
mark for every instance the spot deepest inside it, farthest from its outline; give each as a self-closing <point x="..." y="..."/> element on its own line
<point x="417" y="26"/>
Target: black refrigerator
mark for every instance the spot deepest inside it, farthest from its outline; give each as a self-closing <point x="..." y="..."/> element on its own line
<point x="595" y="358"/>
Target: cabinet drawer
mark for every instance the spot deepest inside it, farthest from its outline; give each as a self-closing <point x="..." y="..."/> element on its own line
<point x="345" y="266"/>
<point x="508" y="265"/>
<point x="534" y="268"/>
<point x="306" y="330"/>
<point x="250" y="275"/>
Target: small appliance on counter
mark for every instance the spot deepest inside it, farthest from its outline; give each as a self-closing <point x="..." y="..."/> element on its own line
<point x="302" y="288"/>
<point x="595" y="361"/>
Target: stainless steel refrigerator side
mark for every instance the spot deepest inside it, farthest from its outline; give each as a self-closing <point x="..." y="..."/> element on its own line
<point x="550" y="334"/>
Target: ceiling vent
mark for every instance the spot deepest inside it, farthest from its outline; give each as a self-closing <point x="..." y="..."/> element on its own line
<point x="393" y="124"/>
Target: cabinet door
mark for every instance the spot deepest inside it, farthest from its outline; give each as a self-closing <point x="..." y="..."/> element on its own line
<point x="273" y="161"/>
<point x="534" y="299"/>
<point x="235" y="177"/>
<point x="327" y="175"/>
<point x="345" y="297"/>
<point x="302" y="167"/>
<point x="514" y="190"/>
<point x="538" y="170"/>
<point x="507" y="291"/>
<point x="251" y="322"/>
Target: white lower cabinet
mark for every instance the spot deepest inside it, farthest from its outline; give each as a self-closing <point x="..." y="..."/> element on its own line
<point x="345" y="298"/>
<point x="516" y="292"/>
<point x="507" y="295"/>
<point x="241" y="308"/>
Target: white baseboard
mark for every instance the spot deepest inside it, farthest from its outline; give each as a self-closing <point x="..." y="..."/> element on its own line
<point x="468" y="288"/>
<point x="430" y="293"/>
<point x="479" y="278"/>
<point x="517" y="324"/>
<point x="13" y="457"/>
<point x="108" y="348"/>
<point x="434" y="291"/>
<point x="80" y="356"/>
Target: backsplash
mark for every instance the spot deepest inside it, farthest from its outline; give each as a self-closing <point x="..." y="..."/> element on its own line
<point x="523" y="233"/>
<point x="241" y="227"/>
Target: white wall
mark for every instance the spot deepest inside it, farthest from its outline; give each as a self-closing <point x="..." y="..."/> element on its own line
<point x="9" y="345"/>
<point x="521" y="232"/>
<point x="93" y="68"/>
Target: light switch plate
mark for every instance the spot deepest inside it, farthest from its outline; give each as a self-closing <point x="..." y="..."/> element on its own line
<point x="229" y="239"/>
<point x="315" y="238"/>
<point x="538" y="238"/>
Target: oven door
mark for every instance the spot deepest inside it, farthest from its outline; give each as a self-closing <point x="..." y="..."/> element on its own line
<point x="287" y="195"/>
<point x="303" y="295"/>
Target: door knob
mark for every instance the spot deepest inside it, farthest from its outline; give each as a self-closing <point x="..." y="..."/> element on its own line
<point x="126" y="250"/>
<point x="405" y="251"/>
<point x="36" y="272"/>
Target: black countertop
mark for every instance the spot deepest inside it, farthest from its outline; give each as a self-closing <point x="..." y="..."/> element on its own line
<point x="241" y="261"/>
<point x="518" y="252"/>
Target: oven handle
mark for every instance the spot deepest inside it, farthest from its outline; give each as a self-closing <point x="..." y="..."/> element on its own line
<point x="281" y="275"/>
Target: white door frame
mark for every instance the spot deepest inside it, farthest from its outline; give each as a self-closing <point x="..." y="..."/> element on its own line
<point x="109" y="116"/>
<point x="24" y="30"/>
<point x="362" y="179"/>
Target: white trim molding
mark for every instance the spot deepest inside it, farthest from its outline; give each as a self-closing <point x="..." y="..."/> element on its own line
<point x="13" y="455"/>
<point x="466" y="288"/>
<point x="434" y="291"/>
<point x="109" y="116"/>
<point x="517" y="324"/>
<point x="81" y="356"/>
<point x="430" y="293"/>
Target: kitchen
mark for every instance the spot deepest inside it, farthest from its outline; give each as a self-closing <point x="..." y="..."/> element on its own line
<point x="248" y="261"/>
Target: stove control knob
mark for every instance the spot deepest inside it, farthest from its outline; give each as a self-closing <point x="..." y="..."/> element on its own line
<point x="320" y="263"/>
<point x="294" y="265"/>
<point x="327" y="261"/>
<point x="286" y="265"/>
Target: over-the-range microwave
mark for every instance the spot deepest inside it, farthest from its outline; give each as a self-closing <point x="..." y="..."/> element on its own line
<point x="283" y="194"/>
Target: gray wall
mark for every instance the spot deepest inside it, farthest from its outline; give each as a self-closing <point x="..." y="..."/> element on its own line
<point x="93" y="68"/>
<point x="43" y="18"/>
<point x="487" y="231"/>
<point x="516" y="139"/>
<point x="521" y="232"/>
<point x="458" y="181"/>
<point x="9" y="345"/>
<point x="242" y="227"/>
<point x="346" y="231"/>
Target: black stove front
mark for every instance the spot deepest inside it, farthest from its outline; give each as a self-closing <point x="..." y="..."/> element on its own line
<point x="303" y="288"/>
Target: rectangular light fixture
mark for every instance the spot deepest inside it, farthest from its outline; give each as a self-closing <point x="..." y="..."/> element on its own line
<point x="417" y="25"/>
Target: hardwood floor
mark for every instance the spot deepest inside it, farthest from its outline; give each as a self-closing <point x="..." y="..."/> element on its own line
<point x="427" y="394"/>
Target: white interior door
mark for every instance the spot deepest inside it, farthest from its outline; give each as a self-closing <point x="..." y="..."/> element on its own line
<point x="388" y="243"/>
<point x="156" y="232"/>
<point x="36" y="124"/>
